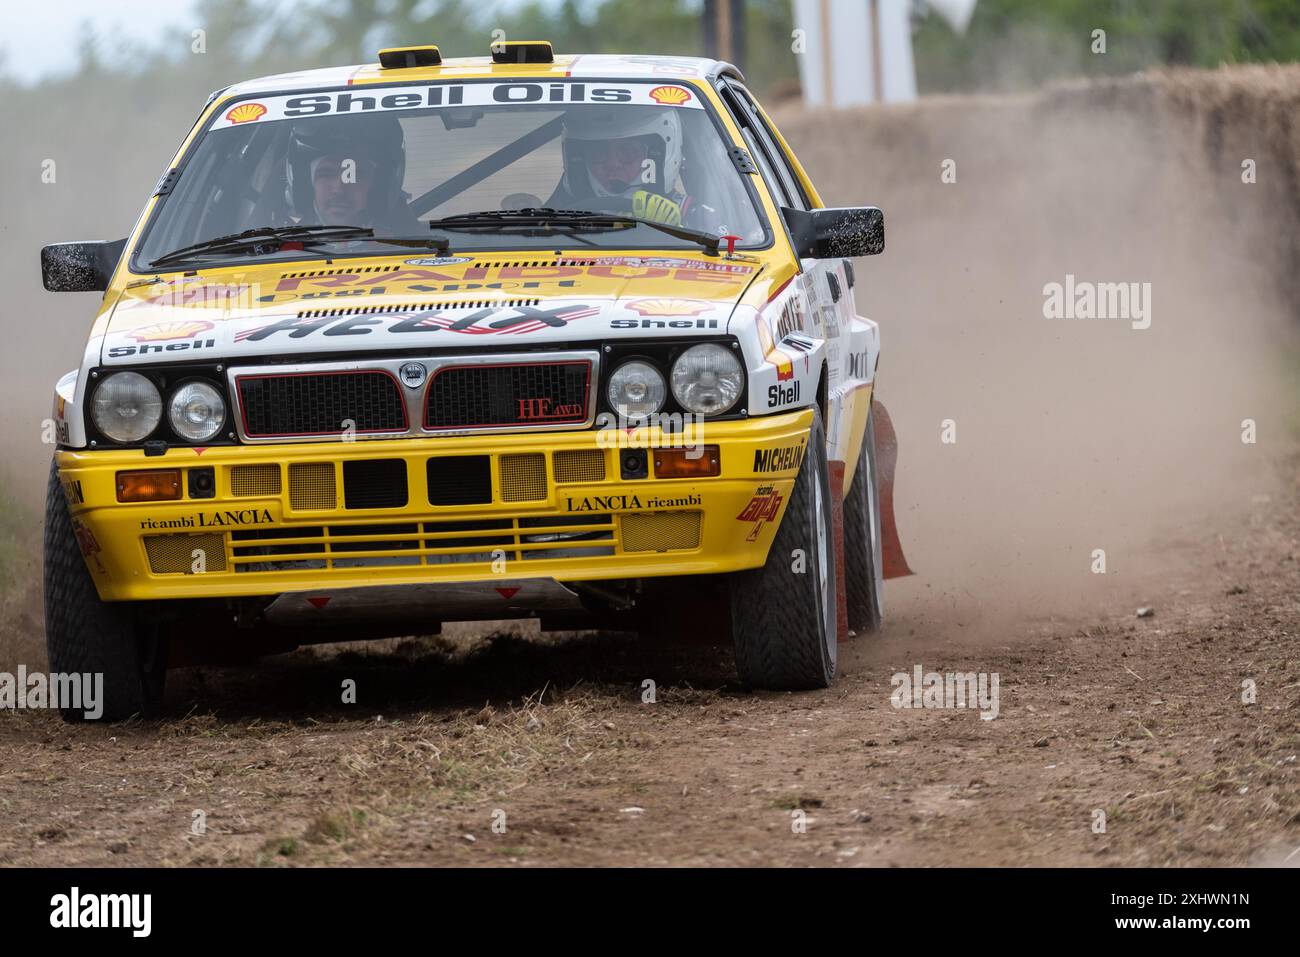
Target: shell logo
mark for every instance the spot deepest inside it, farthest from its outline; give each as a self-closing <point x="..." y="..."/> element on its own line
<point x="784" y="367"/>
<point x="161" y="331"/>
<point x="669" y="95"/>
<point x="668" y="307"/>
<point x="246" y="113"/>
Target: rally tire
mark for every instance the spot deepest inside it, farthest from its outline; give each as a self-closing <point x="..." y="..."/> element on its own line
<point x="86" y="635"/>
<point x="783" y="621"/>
<point x="864" y="582"/>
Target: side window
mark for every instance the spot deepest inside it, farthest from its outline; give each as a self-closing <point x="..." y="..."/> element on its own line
<point x="779" y="192"/>
<point x="759" y="147"/>
<point x="776" y="158"/>
<point x="805" y="202"/>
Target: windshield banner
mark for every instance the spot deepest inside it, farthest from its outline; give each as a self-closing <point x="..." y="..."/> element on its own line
<point x="554" y="93"/>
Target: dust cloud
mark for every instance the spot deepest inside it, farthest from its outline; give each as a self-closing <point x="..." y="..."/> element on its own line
<point x="1073" y="434"/>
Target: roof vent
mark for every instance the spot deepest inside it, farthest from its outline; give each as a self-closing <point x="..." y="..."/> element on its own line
<point x="523" y="51"/>
<point x="404" y="58"/>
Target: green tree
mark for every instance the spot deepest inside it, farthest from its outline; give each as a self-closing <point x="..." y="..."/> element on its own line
<point x="1014" y="44"/>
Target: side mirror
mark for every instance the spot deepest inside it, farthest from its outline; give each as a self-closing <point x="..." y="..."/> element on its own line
<point x="80" y="267"/>
<point x="836" y="233"/>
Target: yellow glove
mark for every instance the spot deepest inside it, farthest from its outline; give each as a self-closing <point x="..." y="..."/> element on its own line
<point x="656" y="208"/>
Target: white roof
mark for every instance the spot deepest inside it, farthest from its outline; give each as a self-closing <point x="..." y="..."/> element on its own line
<point x="579" y="65"/>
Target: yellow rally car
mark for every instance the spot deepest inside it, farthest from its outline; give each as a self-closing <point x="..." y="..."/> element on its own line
<point x="426" y="340"/>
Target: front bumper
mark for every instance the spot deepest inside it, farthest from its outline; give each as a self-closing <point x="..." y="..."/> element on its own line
<point x="307" y="517"/>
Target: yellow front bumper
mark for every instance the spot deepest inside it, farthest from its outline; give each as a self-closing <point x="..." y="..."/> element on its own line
<point x="280" y="520"/>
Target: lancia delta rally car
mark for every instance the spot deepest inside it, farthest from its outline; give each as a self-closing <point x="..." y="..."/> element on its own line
<point x="570" y="337"/>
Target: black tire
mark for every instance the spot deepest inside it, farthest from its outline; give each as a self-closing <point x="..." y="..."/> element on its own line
<point x="783" y="621"/>
<point x="864" y="582"/>
<point x="84" y="635"/>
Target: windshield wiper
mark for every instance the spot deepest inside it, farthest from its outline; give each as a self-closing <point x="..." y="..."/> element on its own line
<point x="263" y="236"/>
<point x="531" y="214"/>
<point x="276" y="236"/>
<point x="572" y="218"/>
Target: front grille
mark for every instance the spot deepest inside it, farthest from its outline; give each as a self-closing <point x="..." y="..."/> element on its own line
<point x="421" y="542"/>
<point x="473" y="546"/>
<point x="417" y="543"/>
<point x="254" y="480"/>
<point x="580" y="465"/>
<point x="374" y="483"/>
<point x="523" y="477"/>
<point x="569" y="536"/>
<point x="294" y="544"/>
<point x="660" y="531"/>
<point x="460" y="480"/>
<point x="185" y="554"/>
<point x="320" y="403"/>
<point x="311" y="485"/>
<point x="492" y="396"/>
<point x="363" y="541"/>
<point x="425" y="542"/>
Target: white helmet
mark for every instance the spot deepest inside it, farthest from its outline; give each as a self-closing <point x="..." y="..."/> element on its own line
<point x="586" y="126"/>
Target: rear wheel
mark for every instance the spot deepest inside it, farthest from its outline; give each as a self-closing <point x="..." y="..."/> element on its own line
<point x="84" y="635"/>
<point x="864" y="582"/>
<point x="783" y="615"/>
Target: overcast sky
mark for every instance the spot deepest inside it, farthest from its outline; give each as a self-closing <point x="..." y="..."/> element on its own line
<point x="39" y="37"/>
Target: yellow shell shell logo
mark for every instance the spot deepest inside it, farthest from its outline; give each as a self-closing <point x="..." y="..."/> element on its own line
<point x="669" y="95"/>
<point x="668" y="307"/>
<point x="246" y="113"/>
<point x="169" y="330"/>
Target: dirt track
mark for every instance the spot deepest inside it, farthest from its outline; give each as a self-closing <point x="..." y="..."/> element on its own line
<point x="1139" y="717"/>
<point x="1070" y="437"/>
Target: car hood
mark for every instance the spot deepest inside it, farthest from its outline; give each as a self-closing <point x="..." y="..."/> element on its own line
<point x="496" y="302"/>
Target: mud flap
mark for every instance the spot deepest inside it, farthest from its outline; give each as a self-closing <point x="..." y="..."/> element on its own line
<point x="886" y="459"/>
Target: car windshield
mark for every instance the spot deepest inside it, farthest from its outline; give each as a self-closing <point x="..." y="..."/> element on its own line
<point x="404" y="160"/>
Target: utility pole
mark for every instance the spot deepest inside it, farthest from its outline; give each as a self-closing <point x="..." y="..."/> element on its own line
<point x="724" y="30"/>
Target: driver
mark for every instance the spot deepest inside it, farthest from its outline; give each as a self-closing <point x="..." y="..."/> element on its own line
<point x="623" y="160"/>
<point x="348" y="171"/>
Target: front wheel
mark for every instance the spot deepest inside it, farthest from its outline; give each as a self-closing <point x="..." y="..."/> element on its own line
<point x="87" y="636"/>
<point x="783" y="615"/>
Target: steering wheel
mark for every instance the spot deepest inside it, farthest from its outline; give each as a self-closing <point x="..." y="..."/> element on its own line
<point x="520" y="201"/>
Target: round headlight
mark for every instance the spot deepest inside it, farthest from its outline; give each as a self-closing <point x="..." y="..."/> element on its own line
<point x="707" y="379"/>
<point x="126" y="407"/>
<point x="196" y="411"/>
<point x="636" y="390"/>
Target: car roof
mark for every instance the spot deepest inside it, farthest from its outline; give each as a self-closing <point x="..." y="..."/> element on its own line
<point x="605" y="66"/>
